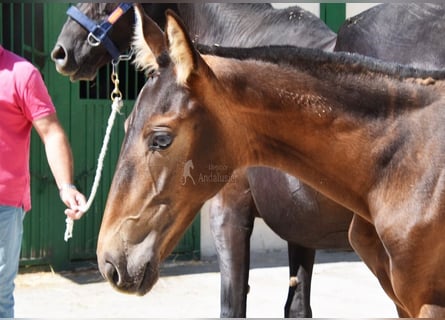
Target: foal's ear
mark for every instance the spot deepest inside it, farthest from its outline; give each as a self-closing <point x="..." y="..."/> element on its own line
<point x="182" y="51"/>
<point x="148" y="41"/>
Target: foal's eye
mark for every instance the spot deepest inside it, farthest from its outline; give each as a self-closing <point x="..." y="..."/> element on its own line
<point x="160" y="140"/>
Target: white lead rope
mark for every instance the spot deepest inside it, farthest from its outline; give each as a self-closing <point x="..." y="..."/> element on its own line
<point x="116" y="107"/>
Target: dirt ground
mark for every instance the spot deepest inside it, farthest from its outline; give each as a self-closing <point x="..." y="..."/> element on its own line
<point x="342" y="287"/>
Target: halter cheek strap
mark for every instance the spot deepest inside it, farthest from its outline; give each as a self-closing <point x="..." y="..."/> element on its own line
<point x="99" y="32"/>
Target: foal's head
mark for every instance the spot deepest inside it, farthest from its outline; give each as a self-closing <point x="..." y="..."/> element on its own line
<point x="167" y="166"/>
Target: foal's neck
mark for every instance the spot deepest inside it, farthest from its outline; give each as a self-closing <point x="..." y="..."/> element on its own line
<point x="320" y="125"/>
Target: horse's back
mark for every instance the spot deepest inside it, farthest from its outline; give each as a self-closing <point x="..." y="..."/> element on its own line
<point x="397" y="32"/>
<point x="256" y="24"/>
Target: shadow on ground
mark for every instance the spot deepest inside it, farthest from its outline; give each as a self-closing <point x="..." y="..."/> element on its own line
<point x="90" y="274"/>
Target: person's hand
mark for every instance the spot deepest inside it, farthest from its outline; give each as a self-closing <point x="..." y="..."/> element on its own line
<point x="74" y="200"/>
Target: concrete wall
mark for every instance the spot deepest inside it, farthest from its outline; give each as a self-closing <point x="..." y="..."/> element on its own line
<point x="263" y="239"/>
<point x="312" y="7"/>
<point x="353" y="9"/>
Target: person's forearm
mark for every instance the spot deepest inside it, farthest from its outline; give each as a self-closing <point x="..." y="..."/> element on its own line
<point x="57" y="148"/>
<point x="60" y="158"/>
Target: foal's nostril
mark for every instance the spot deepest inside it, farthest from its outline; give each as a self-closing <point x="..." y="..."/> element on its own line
<point x="58" y="55"/>
<point x="111" y="273"/>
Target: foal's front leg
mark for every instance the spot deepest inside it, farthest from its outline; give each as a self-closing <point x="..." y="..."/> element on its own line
<point x="417" y="255"/>
<point x="232" y="215"/>
<point x="367" y="245"/>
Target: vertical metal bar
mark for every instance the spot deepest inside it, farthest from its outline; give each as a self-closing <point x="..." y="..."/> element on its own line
<point x="134" y="81"/>
<point x="97" y="89"/>
<point x="11" y="30"/>
<point x="1" y="23"/>
<point x="23" y="34"/>
<point x="22" y="29"/>
<point x="102" y="86"/>
<point x="33" y="34"/>
<point x="136" y="85"/>
<point x="127" y="77"/>
<point x="108" y="83"/>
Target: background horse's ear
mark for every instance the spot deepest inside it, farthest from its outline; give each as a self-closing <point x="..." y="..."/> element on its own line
<point x="148" y="41"/>
<point x="182" y="51"/>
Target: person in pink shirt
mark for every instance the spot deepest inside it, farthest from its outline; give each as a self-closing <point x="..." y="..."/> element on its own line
<point x="24" y="104"/>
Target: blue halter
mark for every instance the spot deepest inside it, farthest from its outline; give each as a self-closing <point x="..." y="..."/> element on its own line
<point x="99" y="32"/>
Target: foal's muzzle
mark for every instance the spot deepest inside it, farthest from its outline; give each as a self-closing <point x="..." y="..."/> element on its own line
<point x="121" y="280"/>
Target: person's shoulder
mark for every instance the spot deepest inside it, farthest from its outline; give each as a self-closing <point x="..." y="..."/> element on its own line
<point x="17" y="63"/>
<point x="11" y="57"/>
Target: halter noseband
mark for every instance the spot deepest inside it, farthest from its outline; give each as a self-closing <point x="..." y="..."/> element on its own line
<point x="99" y="32"/>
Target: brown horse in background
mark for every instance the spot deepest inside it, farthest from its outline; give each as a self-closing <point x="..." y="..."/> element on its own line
<point x="282" y="201"/>
<point x="370" y="135"/>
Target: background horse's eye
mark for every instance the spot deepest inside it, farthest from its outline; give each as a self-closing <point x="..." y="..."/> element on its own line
<point x="160" y="140"/>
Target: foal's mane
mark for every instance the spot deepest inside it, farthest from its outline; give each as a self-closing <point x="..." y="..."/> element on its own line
<point x="316" y="61"/>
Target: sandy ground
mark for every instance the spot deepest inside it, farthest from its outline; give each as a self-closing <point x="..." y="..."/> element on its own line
<point x="342" y="287"/>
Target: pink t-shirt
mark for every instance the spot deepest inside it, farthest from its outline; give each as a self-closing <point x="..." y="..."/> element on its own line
<point x="23" y="98"/>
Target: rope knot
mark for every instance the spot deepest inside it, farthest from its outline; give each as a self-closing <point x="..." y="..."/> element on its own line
<point x="117" y="105"/>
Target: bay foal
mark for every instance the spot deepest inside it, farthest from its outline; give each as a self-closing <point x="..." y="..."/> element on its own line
<point x="367" y="134"/>
<point x="254" y="192"/>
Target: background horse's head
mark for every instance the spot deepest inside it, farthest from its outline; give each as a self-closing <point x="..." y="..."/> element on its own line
<point x="151" y="202"/>
<point x="74" y="55"/>
<point x="209" y="23"/>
